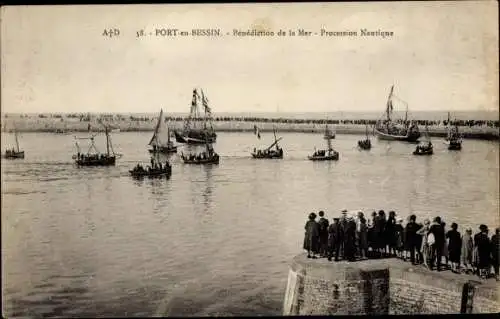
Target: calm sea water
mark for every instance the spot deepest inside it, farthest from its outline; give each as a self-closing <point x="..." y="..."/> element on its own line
<point x="211" y="240"/>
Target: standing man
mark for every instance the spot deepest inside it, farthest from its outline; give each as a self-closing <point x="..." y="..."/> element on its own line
<point x="323" y="234"/>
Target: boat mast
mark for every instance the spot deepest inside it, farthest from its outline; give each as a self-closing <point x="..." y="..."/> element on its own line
<point x="389" y="107"/>
<point x="275" y="139"/>
<point x="107" y="139"/>
<point x="17" y="141"/>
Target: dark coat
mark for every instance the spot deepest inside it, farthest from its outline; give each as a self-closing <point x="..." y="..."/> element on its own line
<point x="438" y="231"/>
<point x="454" y="245"/>
<point x="323" y="229"/>
<point x="335" y="235"/>
<point x="311" y="238"/>
<point x="410" y="238"/>
<point x="495" y="249"/>
<point x="390" y="233"/>
<point x="483" y="246"/>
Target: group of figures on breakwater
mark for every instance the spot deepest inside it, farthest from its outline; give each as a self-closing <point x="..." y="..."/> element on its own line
<point x="198" y="130"/>
<point x="353" y="237"/>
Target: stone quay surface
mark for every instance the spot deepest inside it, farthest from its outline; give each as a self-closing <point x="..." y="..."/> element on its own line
<point x="383" y="286"/>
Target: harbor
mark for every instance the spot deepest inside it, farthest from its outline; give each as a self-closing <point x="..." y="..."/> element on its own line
<point x="103" y="242"/>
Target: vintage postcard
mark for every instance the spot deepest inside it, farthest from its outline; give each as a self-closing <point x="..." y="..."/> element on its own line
<point x="250" y="159"/>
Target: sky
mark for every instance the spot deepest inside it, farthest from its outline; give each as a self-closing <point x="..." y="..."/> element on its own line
<point x="442" y="56"/>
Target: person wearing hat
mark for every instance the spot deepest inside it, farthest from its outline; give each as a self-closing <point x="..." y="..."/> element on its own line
<point x="495" y="252"/>
<point x="467" y="250"/>
<point x="436" y="230"/>
<point x="323" y="234"/>
<point x="483" y="247"/>
<point x="334" y="239"/>
<point x="311" y="236"/>
<point x="454" y="247"/>
<point x="350" y="240"/>
<point x="398" y="233"/>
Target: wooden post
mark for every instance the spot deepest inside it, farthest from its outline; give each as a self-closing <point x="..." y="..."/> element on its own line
<point x="467" y="297"/>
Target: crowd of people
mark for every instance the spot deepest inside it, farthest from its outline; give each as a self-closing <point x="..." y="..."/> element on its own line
<point x="354" y="237"/>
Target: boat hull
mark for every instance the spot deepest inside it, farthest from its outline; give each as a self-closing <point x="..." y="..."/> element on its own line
<point x="324" y="158"/>
<point x="365" y="145"/>
<point x="151" y="174"/>
<point x="195" y="137"/>
<point x="213" y="160"/>
<point x="105" y="161"/>
<point x="411" y="137"/>
<point x="453" y="145"/>
<point x="14" y="155"/>
<point x="425" y="152"/>
<point x="268" y="156"/>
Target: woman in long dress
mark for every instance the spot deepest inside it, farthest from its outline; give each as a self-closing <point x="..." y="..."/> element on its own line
<point x="467" y="250"/>
<point x="424" y="248"/>
<point x="483" y="251"/>
<point x="454" y="247"/>
<point x="445" y="252"/>
<point x="311" y="237"/>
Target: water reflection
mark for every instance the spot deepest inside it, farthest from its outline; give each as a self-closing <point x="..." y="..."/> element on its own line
<point x="207" y="194"/>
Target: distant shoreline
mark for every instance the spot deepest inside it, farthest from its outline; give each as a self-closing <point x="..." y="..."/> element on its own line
<point x="51" y="125"/>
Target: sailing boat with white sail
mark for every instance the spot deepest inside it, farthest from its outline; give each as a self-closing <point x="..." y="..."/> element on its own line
<point x="198" y="129"/>
<point x="14" y="153"/>
<point x="160" y="141"/>
<point x="453" y="138"/>
<point x="387" y="129"/>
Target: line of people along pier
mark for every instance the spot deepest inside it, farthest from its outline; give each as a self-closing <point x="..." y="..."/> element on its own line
<point x="353" y="237"/>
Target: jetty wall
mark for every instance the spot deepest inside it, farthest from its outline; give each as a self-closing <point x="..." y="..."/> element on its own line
<point x="383" y="286"/>
<point x="34" y="124"/>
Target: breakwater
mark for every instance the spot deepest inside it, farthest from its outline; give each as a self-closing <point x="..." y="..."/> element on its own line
<point x="382" y="286"/>
<point x="480" y="130"/>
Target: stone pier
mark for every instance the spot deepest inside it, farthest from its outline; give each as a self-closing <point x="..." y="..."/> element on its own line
<point x="383" y="286"/>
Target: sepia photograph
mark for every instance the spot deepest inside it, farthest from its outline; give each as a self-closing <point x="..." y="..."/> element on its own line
<point x="250" y="159"/>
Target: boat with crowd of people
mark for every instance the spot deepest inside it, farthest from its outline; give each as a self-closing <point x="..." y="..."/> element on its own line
<point x="156" y="170"/>
<point x="93" y="157"/>
<point x="389" y="129"/>
<point x="365" y="144"/>
<point x="209" y="156"/>
<point x="453" y="138"/>
<point x="198" y="128"/>
<point x="328" y="154"/>
<point x="269" y="152"/>
<point x="425" y="148"/>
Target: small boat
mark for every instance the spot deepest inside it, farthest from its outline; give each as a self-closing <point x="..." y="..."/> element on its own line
<point x="193" y="132"/>
<point x="207" y="157"/>
<point x="160" y="141"/>
<point x="325" y="155"/>
<point x="14" y="153"/>
<point x="96" y="158"/>
<point x="425" y="148"/>
<point x="268" y="152"/>
<point x="365" y="144"/>
<point x="453" y="138"/>
<point x="156" y="170"/>
<point x="388" y="130"/>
